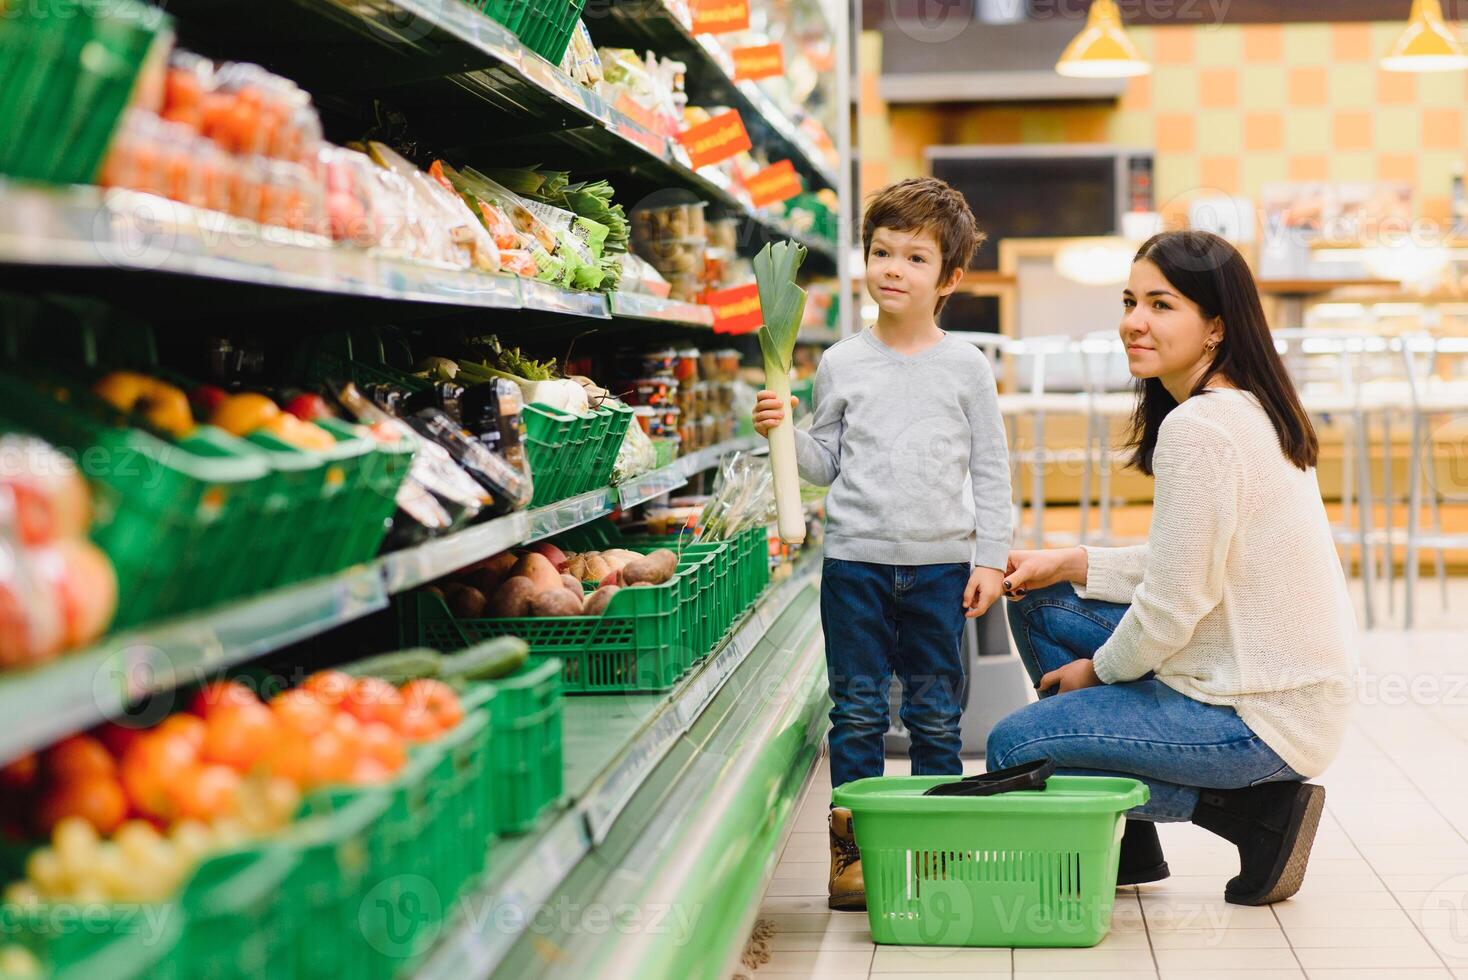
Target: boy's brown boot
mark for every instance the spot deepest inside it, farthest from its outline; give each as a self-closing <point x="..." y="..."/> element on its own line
<point x="847" y="892"/>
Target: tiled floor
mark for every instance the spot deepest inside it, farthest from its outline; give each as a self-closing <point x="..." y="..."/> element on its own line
<point x="1386" y="895"/>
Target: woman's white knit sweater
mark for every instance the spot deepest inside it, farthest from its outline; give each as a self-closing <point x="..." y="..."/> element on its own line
<point x="1238" y="597"/>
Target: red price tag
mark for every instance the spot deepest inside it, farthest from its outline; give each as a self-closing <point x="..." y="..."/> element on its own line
<point x="720" y="16"/>
<point x="777" y="182"/>
<point x="736" y="309"/>
<point x="764" y="61"/>
<point x="716" y="140"/>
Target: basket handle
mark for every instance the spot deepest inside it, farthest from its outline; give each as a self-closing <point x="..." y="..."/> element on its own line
<point x="1026" y="776"/>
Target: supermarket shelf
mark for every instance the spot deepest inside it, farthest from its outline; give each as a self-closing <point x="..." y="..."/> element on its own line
<point x="644" y="24"/>
<point x="79" y="689"/>
<point x="527" y="871"/>
<point x="643" y="307"/>
<point x="86" y="227"/>
<point x="447" y="65"/>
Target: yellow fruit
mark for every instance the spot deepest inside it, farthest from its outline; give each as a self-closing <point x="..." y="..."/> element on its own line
<point x="113" y="872"/>
<point x="46" y="872"/>
<point x="283" y="799"/>
<point x="23" y="894"/>
<point x="244" y="413"/>
<point x="75" y="843"/>
<point x="303" y="435"/>
<point x="138" y="840"/>
<point x="19" y="963"/>
<point x="167" y="408"/>
<point x="122" y="389"/>
<point x="89" y="892"/>
<point x="192" y="839"/>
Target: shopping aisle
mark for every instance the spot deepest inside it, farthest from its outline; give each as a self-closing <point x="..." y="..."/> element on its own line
<point x="1386" y="894"/>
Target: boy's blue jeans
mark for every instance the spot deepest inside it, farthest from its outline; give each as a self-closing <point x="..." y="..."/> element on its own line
<point x="1142" y="729"/>
<point x="885" y="619"/>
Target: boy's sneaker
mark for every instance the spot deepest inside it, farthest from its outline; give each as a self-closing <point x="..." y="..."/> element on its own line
<point x="847" y="892"/>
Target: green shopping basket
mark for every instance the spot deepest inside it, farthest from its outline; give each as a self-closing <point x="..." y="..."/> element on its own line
<point x="1023" y="868"/>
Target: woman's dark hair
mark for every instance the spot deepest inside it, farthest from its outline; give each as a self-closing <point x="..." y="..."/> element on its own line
<point x="1211" y="272"/>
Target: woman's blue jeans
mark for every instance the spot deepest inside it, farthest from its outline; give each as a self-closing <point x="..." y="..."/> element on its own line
<point x="1142" y="729"/>
<point x="881" y="620"/>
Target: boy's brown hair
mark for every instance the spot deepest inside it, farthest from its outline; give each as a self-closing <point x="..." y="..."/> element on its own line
<point x="925" y="204"/>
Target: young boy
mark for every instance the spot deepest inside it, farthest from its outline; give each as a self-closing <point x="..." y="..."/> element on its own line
<point x="905" y="416"/>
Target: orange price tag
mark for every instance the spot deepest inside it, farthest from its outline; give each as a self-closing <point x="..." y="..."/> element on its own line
<point x="763" y="61"/>
<point x="736" y="309"/>
<point x="777" y="182"/>
<point x="720" y="16"/>
<point x="716" y="140"/>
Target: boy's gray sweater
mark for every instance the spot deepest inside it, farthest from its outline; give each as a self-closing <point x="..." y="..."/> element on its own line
<point x="914" y="451"/>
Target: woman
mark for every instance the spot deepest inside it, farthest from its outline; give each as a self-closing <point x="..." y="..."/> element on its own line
<point x="1213" y="662"/>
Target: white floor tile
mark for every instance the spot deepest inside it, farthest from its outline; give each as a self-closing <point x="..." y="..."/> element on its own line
<point x="937" y="959"/>
<point x="1226" y="959"/>
<point x="798" y="941"/>
<point x="1221" y="939"/>
<point x="1370" y="959"/>
<point x="1295" y="974"/>
<point x="1082" y="960"/>
<point x="857" y="962"/>
<point x="1401" y="937"/>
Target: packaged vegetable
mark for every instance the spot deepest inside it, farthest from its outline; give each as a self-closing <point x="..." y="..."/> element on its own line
<point x="469" y="242"/>
<point x="509" y="488"/>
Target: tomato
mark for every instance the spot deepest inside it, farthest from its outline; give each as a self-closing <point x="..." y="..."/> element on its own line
<point x="419" y="725"/>
<point x="384" y="746"/>
<point x="117" y="736"/>
<point x="77" y="757"/>
<point x="153" y="765"/>
<point x="374" y="699"/>
<point x="19" y="775"/>
<point x="331" y="686"/>
<point x="190" y="727"/>
<point x="369" y="772"/>
<point x="238" y="736"/>
<point x="99" y="800"/>
<point x="218" y="695"/>
<point x="328" y="759"/>
<point x="209" y="792"/>
<point x="301" y="711"/>
<point x="438" y="699"/>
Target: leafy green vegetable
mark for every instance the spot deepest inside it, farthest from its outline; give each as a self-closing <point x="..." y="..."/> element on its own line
<point x="782" y="302"/>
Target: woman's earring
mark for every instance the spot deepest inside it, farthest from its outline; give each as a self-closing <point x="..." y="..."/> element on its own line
<point x="1211" y="346"/>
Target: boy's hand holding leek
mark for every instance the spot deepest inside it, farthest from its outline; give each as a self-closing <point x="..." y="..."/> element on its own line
<point x="782" y="305"/>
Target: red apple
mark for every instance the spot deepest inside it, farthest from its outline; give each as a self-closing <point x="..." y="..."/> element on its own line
<point x="207" y="398"/>
<point x="308" y="407"/>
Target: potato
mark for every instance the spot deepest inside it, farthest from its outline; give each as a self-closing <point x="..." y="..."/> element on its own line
<point x="576" y="566"/>
<point x="539" y="570"/>
<point x="572" y="584"/>
<point x="555" y="602"/>
<point x="621" y="555"/>
<point x="596" y="603"/>
<point x="465" y="601"/>
<point x="512" y="598"/>
<point x="500" y="564"/>
<point x="613" y="579"/>
<point x="653" y="569"/>
<point x="485" y="579"/>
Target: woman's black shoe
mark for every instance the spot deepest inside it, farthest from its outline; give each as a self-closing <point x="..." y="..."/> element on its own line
<point x="1273" y="826"/>
<point x="1141" y="855"/>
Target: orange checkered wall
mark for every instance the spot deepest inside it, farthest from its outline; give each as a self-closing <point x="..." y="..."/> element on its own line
<point x="1227" y="108"/>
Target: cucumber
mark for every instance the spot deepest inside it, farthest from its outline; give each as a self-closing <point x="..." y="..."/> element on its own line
<point x="398" y="667"/>
<point x="486" y="661"/>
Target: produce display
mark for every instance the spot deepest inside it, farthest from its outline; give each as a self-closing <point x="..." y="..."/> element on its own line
<point x="58" y="591"/>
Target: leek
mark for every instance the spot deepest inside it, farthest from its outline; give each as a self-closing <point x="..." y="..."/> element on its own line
<point x="782" y="305"/>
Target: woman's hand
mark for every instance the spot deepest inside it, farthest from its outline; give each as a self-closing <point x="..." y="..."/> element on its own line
<point x="1072" y="677"/>
<point x="768" y="412"/>
<point x="1030" y="570"/>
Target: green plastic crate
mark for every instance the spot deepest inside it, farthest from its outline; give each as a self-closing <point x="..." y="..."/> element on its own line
<point x="334" y="876"/>
<point x="174" y="518"/>
<point x="463" y="829"/>
<point x="1025" y="868"/>
<point x="526" y="758"/>
<point x="236" y="928"/>
<point x="69" y="72"/>
<point x="135" y="944"/>
<point x="543" y="26"/>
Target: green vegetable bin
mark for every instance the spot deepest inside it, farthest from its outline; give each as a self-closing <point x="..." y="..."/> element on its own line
<point x="1024" y="868"/>
<point x="126" y="942"/>
<point x="69" y="71"/>
<point x="236" y="928"/>
<point x="526" y="761"/>
<point x="543" y="26"/>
